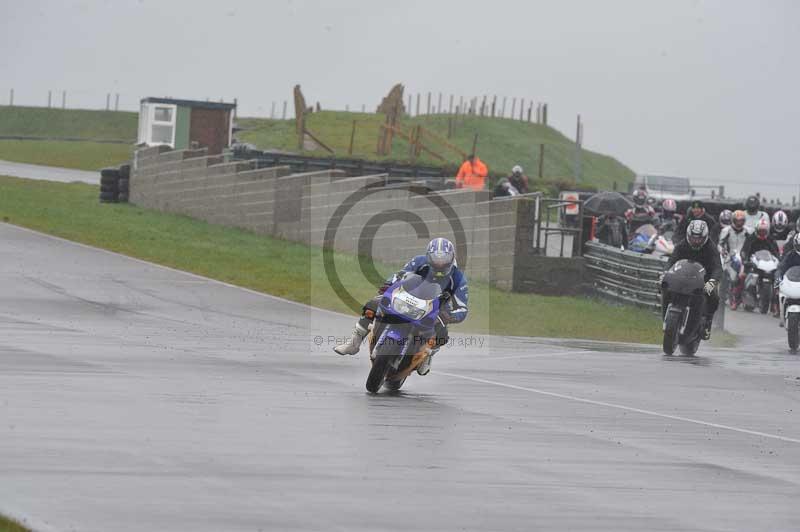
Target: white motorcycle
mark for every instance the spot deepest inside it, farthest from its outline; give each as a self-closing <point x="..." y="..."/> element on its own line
<point x="789" y="298"/>
<point x="760" y="281"/>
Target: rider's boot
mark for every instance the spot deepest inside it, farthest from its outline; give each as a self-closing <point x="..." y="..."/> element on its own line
<point x="706" y="331"/>
<point x="425" y="366"/>
<point x="352" y="346"/>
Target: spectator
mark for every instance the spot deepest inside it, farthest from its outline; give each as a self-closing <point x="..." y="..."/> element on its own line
<point x="505" y="188"/>
<point x="697" y="211"/>
<point x="519" y="180"/>
<point x="472" y="173"/>
<point x="613" y="231"/>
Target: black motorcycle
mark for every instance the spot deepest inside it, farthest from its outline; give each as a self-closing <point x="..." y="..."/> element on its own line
<point x="682" y="286"/>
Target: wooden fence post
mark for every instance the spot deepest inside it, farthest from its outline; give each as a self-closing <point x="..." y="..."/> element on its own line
<point x="410" y="102"/>
<point x="530" y="110"/>
<point x="352" y="139"/>
<point x="541" y="160"/>
<point x="429" y="103"/>
<point x="116" y="103"/>
<point x="284" y="109"/>
<point x="521" y="108"/>
<point x="418" y="98"/>
<point x="439" y="104"/>
<point x="450" y="109"/>
<point x="503" y="108"/>
<point x="544" y="114"/>
<point x="513" y="107"/>
<point x="494" y="104"/>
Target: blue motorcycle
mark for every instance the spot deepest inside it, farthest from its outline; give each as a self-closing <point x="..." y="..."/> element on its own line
<point x="403" y="331"/>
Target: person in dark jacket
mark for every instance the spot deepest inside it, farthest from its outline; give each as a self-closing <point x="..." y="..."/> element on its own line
<point x="697" y="211"/>
<point x="759" y="240"/>
<point x="789" y="259"/>
<point x="790" y="245"/>
<point x="613" y="231"/>
<point x="698" y="247"/>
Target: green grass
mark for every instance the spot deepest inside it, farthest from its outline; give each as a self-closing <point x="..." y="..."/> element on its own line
<point x="9" y="525"/>
<point x="287" y="269"/>
<point x="502" y="143"/>
<point x="66" y="154"/>
<point x="68" y="123"/>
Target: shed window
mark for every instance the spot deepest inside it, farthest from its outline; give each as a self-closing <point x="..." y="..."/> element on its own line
<point x="163" y="114"/>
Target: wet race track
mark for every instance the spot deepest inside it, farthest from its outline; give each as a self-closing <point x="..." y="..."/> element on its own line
<point x="133" y="397"/>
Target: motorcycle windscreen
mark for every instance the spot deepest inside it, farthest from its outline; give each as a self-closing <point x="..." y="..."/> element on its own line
<point x="421" y="288"/>
<point x="648" y="230"/>
<point x="764" y="256"/>
<point x="793" y="274"/>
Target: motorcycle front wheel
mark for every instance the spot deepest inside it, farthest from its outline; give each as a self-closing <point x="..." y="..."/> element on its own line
<point x="672" y="323"/>
<point x="384" y="355"/>
<point x="793" y="331"/>
<point x="764" y="297"/>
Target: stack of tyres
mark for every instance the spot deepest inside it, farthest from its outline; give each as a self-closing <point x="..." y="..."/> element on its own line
<point x="124" y="177"/>
<point x="109" y="185"/>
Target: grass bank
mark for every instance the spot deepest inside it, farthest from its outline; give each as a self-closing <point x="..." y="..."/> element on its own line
<point x="9" y="525"/>
<point x="287" y="269"/>
<point x="66" y="154"/>
<point x="502" y="143"/>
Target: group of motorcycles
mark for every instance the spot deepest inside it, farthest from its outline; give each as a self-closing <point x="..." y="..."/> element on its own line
<point x="750" y="286"/>
<point x="759" y="290"/>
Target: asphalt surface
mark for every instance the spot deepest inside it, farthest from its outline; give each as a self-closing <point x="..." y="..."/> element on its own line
<point x="133" y="397"/>
<point x="48" y="173"/>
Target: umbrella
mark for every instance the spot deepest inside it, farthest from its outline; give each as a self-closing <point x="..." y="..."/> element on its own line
<point x="607" y="203"/>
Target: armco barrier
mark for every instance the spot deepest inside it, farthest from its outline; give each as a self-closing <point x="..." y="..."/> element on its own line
<point x="625" y="276"/>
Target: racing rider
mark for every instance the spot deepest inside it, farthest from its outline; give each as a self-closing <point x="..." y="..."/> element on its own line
<point x="439" y="265"/>
<point x="699" y="248"/>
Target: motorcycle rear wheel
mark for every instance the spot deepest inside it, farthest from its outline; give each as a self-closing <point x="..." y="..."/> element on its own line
<point x="394" y="385"/>
<point x="671" y="332"/>
<point x="690" y="348"/>
<point x="793" y="331"/>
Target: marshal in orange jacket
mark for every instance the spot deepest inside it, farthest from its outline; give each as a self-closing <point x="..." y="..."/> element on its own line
<point x="472" y="174"/>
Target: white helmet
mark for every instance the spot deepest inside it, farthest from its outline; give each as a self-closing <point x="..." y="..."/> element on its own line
<point x="697" y="234"/>
<point x="780" y="221"/>
<point x="517" y="169"/>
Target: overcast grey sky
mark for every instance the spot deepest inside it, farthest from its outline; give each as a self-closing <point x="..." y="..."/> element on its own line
<point x="706" y="89"/>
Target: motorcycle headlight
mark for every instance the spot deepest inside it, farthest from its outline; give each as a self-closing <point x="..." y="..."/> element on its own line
<point x="409" y="306"/>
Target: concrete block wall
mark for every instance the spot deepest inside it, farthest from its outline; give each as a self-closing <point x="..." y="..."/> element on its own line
<point x="381" y="214"/>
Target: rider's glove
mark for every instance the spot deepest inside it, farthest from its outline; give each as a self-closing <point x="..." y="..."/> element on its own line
<point x="709" y="287"/>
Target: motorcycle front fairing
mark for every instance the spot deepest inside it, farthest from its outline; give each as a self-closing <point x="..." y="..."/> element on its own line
<point x="789" y="291"/>
<point x="408" y="311"/>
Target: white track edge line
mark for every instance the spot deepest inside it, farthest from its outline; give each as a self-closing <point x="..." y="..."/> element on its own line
<point x="623" y="407"/>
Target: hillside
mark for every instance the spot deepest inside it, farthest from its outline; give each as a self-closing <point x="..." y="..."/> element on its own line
<point x="502" y="143"/>
<point x="68" y="123"/>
